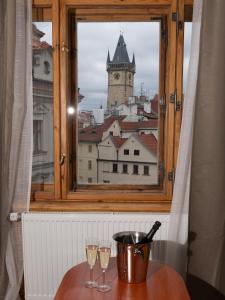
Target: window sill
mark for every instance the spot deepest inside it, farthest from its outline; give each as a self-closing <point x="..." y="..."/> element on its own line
<point x="74" y="206"/>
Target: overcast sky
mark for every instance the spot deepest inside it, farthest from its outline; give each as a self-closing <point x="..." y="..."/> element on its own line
<point x="94" y="41"/>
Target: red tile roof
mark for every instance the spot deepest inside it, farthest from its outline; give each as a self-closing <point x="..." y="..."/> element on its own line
<point x="148" y="140"/>
<point x="89" y="134"/>
<point x="118" y="141"/>
<point x="139" y="125"/>
<point x="41" y="46"/>
<point x="84" y="116"/>
<point x="94" y="133"/>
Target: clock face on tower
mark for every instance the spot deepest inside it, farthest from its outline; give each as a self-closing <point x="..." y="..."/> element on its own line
<point x="116" y="76"/>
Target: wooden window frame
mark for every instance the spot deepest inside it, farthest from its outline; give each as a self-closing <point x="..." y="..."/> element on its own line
<point x="116" y="200"/>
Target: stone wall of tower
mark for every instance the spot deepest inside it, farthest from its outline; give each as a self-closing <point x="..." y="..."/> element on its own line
<point x="119" y="89"/>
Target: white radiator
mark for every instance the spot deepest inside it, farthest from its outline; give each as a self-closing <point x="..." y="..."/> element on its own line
<point x="54" y="242"/>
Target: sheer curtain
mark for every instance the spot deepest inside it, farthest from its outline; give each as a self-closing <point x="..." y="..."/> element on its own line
<point x="207" y="193"/>
<point x="199" y="199"/>
<point x="176" y="249"/>
<point x="15" y="136"/>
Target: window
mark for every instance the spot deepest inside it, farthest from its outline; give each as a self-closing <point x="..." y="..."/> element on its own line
<point x="125" y="169"/>
<point x="136" y="152"/>
<point x="142" y="117"/>
<point x="135" y="169"/>
<point x="43" y="172"/>
<point x="36" y="60"/>
<point x="37" y="135"/>
<point x="47" y="67"/>
<point x="126" y="152"/>
<point x="106" y="181"/>
<point x="115" y="168"/>
<point x="89" y="180"/>
<point x="125" y="98"/>
<point x="146" y="170"/>
<point x="89" y="148"/>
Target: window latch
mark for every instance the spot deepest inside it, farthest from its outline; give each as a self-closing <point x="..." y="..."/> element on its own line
<point x="62" y="159"/>
<point x="171" y="175"/>
<point x="177" y="103"/>
<point x="175" y="18"/>
<point x="64" y="48"/>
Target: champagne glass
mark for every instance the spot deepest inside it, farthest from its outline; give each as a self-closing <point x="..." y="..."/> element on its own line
<point x="104" y="252"/>
<point x="91" y="245"/>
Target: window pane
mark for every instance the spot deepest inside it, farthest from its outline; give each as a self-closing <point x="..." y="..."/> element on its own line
<point x="43" y="158"/>
<point x="118" y="88"/>
<point x="187" y="48"/>
<point x="124" y="168"/>
<point x="146" y="170"/>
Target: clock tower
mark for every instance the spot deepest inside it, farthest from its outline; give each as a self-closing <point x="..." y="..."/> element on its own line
<point x="120" y="75"/>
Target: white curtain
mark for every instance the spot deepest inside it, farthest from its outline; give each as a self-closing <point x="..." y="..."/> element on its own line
<point x="16" y="114"/>
<point x="176" y="248"/>
<point x="207" y="192"/>
<point x="198" y="201"/>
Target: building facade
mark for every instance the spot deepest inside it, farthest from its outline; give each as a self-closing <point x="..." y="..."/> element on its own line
<point x="43" y="156"/>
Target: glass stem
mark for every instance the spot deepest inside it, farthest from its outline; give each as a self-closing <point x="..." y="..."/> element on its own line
<point x="91" y="274"/>
<point x="103" y="277"/>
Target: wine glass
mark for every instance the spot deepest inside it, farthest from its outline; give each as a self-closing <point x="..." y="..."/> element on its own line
<point x="104" y="252"/>
<point x="91" y="245"/>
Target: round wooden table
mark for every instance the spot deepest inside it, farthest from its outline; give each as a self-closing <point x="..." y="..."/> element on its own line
<point x="162" y="283"/>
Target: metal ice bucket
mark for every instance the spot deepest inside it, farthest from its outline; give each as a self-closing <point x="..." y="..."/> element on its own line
<point x="132" y="260"/>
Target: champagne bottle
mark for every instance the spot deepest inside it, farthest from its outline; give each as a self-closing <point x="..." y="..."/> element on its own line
<point x="149" y="236"/>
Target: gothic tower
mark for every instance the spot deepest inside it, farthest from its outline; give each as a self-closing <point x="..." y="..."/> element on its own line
<point x="120" y="75"/>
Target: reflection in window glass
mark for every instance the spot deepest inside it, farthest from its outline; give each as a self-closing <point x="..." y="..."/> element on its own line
<point x="118" y="87"/>
<point x="43" y="161"/>
<point x="187" y="48"/>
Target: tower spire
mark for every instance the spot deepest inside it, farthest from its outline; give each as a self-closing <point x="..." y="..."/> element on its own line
<point x="133" y="60"/>
<point x="108" y="58"/>
<point x="121" y="55"/>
